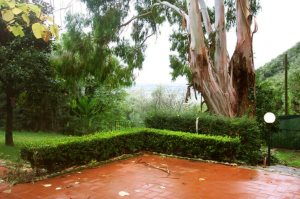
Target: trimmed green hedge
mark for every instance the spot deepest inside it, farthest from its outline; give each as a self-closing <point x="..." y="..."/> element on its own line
<point x="221" y="148"/>
<point x="244" y="128"/>
<point x="72" y="151"/>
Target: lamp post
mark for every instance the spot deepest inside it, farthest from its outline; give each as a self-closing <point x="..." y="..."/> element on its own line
<point x="269" y="118"/>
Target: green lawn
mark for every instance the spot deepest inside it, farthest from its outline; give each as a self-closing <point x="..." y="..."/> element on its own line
<point x="20" y="138"/>
<point x="288" y="157"/>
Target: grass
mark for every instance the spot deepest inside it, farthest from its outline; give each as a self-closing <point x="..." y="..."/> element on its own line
<point x="21" y="138"/>
<point x="288" y="157"/>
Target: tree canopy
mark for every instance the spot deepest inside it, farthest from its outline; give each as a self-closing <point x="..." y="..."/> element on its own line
<point x="195" y="34"/>
<point x="24" y="55"/>
<point x="17" y="15"/>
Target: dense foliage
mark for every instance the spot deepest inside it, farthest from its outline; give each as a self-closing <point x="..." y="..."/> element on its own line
<point x="20" y="15"/>
<point x="81" y="91"/>
<point x="147" y="100"/>
<point x="270" y="78"/>
<point x="270" y="94"/>
<point x="72" y="151"/>
<point x="24" y="66"/>
<point x="246" y="129"/>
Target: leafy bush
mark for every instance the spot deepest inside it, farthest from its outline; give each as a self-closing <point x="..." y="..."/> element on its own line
<point x="246" y="129"/>
<point x="222" y="148"/>
<point x="72" y="151"/>
<point x="142" y="101"/>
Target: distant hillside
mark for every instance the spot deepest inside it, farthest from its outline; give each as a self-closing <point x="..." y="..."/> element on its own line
<point x="147" y="89"/>
<point x="274" y="70"/>
<point x="270" y="79"/>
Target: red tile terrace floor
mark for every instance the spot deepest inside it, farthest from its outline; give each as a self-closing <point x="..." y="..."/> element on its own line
<point x="147" y="177"/>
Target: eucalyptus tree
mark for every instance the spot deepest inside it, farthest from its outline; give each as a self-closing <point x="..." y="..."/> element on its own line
<point x="227" y="84"/>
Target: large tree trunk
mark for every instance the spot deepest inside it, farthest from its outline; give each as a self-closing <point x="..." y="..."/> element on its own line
<point x="9" y="117"/>
<point x="241" y="64"/>
<point x="226" y="85"/>
<point x="212" y="81"/>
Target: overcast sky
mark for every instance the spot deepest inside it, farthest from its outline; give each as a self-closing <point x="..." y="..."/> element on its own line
<point x="278" y="29"/>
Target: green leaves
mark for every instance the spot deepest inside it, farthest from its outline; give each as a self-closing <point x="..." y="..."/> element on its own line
<point x="54" y="29"/>
<point x="16" y="11"/>
<point x="16" y="30"/>
<point x="7" y="15"/>
<point x="38" y="30"/>
<point x="35" y="9"/>
<point x="102" y="146"/>
<point x="244" y="128"/>
<point x="10" y="10"/>
<point x="26" y="19"/>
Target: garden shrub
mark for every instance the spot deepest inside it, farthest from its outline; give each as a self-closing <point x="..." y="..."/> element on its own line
<point x="244" y="128"/>
<point x="72" y="151"/>
<point x="221" y="148"/>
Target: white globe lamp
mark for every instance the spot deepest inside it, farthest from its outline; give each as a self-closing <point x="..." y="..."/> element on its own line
<point x="269" y="117"/>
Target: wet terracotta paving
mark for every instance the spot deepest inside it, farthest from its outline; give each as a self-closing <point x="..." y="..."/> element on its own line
<point x="147" y="177"/>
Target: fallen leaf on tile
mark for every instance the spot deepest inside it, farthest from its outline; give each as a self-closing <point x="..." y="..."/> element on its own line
<point x="58" y="188"/>
<point x="7" y="191"/>
<point x="201" y="179"/>
<point x="69" y="186"/>
<point x="123" y="193"/>
<point x="47" y="185"/>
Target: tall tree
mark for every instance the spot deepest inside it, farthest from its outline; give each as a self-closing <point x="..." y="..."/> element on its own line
<point x="21" y="62"/>
<point x="227" y="84"/>
<point x="23" y="59"/>
<point x="87" y="62"/>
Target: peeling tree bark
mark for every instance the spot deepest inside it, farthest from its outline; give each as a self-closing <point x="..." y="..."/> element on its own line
<point x="226" y="84"/>
<point x="205" y="16"/>
<point x="241" y="64"/>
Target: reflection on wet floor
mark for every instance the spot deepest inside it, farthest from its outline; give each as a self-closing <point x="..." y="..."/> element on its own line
<point x="156" y="177"/>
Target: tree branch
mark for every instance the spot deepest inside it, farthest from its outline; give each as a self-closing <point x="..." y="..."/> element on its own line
<point x="221" y="54"/>
<point x="175" y="8"/>
<point x="178" y="10"/>
<point x="205" y="16"/>
<point x="147" y="38"/>
<point x="135" y="17"/>
<point x="165" y="3"/>
<point x="243" y="25"/>
<point x="70" y="4"/>
<point x="196" y="31"/>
